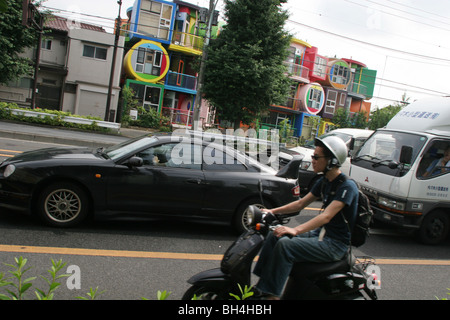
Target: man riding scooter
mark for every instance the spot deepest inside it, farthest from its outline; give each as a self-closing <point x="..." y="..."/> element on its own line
<point x="324" y="238"/>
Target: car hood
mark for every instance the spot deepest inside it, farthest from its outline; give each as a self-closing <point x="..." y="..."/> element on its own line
<point x="54" y="153"/>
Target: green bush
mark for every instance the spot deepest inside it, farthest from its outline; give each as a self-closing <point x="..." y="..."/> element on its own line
<point x="55" y="120"/>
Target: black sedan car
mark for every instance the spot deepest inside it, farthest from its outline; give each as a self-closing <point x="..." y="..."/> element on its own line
<point x="160" y="175"/>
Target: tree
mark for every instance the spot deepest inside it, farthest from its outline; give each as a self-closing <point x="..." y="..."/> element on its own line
<point x="244" y="72"/>
<point x="14" y="39"/>
<point x="343" y="119"/>
<point x="3" y="5"/>
<point x="380" y="117"/>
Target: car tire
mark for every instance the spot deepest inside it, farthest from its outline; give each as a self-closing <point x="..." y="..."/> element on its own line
<point x="239" y="222"/>
<point x="63" y="204"/>
<point x="434" y="228"/>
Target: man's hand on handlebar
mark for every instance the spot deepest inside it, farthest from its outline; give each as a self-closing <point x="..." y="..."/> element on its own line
<point x="284" y="231"/>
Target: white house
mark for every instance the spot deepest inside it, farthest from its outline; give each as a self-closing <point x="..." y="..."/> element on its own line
<point x="74" y="70"/>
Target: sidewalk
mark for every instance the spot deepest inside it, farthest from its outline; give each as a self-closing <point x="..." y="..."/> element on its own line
<point x="29" y="132"/>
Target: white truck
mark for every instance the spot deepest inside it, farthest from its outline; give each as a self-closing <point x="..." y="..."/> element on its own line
<point x="404" y="169"/>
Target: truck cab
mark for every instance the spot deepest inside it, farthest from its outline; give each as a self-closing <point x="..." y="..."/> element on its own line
<point x="404" y="169"/>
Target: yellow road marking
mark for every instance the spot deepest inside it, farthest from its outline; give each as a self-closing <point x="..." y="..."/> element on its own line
<point x="178" y="256"/>
<point x="13" y="151"/>
<point x="109" y="253"/>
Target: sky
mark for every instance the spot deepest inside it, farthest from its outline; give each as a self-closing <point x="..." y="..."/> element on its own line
<point x="406" y="41"/>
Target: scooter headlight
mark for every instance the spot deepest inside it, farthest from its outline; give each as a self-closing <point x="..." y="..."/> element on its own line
<point x="254" y="215"/>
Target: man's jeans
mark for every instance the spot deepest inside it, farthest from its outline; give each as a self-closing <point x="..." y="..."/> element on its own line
<point x="279" y="254"/>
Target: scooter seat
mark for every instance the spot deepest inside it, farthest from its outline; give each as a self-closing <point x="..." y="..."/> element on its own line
<point x="314" y="269"/>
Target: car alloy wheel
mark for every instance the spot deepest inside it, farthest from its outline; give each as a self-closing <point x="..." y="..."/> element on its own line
<point x="63" y="204"/>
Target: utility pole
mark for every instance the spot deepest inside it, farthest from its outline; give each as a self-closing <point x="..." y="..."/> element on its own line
<point x="32" y="18"/>
<point x="198" y="99"/>
<point x="39" y="29"/>
<point x="113" y="64"/>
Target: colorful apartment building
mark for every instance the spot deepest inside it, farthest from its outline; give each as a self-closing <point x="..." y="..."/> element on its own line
<point x="320" y="86"/>
<point x="164" y="41"/>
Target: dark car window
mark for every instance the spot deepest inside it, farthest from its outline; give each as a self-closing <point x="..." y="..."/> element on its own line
<point x="174" y="155"/>
<point x="217" y="160"/>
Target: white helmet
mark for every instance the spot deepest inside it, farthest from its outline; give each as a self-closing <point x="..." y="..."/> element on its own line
<point x="338" y="149"/>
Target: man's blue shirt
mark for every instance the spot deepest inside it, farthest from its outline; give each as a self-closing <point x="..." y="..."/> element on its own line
<point x="346" y="192"/>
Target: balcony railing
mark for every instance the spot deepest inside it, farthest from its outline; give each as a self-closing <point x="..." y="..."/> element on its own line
<point x="181" y="80"/>
<point x="297" y="70"/>
<point x="187" y="40"/>
<point x="358" y="88"/>
<point x="178" y="116"/>
<point x="293" y="104"/>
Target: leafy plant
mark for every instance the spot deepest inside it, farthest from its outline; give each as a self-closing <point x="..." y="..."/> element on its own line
<point x="92" y="294"/>
<point x="52" y="282"/>
<point x="50" y="117"/>
<point x="246" y="293"/>
<point x="448" y="293"/>
<point x="20" y="283"/>
<point x="161" y="295"/>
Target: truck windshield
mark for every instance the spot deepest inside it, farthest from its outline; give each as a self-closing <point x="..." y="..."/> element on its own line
<point x="384" y="147"/>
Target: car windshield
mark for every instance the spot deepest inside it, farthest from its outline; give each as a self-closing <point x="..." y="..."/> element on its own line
<point x="386" y="146"/>
<point x="127" y="147"/>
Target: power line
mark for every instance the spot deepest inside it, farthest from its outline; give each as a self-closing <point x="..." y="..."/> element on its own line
<point x="419" y="9"/>
<point x="398" y="16"/>
<point x="368" y="43"/>
<point x="295" y="22"/>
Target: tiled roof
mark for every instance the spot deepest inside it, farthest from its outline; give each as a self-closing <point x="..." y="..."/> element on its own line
<point x="60" y="23"/>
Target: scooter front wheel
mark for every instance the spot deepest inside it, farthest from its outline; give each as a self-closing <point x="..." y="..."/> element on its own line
<point x="205" y="293"/>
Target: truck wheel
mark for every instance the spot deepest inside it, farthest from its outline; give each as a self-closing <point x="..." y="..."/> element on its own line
<point x="434" y="228"/>
<point x="63" y="204"/>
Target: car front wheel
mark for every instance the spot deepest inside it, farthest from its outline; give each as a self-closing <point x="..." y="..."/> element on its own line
<point x="240" y="222"/>
<point x="63" y="204"/>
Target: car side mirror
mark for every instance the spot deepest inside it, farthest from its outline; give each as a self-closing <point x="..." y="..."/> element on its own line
<point x="290" y="171"/>
<point x="134" y="162"/>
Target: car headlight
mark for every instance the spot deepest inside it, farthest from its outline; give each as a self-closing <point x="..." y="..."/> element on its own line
<point x="392" y="204"/>
<point x="9" y="170"/>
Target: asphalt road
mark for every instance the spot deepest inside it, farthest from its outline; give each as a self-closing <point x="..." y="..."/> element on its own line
<point x="130" y="260"/>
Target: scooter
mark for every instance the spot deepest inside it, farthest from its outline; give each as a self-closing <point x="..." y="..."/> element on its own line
<point x="349" y="278"/>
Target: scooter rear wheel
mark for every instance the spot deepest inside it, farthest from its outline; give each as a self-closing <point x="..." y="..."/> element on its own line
<point x="204" y="293"/>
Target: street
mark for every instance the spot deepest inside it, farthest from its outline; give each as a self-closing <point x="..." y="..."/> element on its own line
<point x="130" y="260"/>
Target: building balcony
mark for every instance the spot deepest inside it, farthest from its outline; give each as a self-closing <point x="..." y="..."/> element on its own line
<point x="290" y="104"/>
<point x="293" y="104"/>
<point x="187" y="43"/>
<point x="181" y="82"/>
<point x="357" y="90"/>
<point x="297" y="72"/>
<point x="178" y="117"/>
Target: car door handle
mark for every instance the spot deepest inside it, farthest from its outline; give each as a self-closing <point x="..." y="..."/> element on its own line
<point x="196" y="181"/>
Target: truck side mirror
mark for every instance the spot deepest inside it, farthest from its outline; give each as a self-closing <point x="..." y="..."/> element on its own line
<point x="406" y="155"/>
<point x="351" y="146"/>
